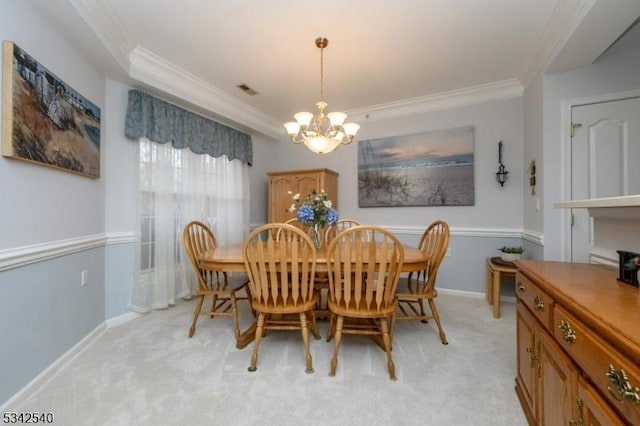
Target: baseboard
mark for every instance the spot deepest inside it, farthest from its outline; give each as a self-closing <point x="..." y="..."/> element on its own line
<point x="121" y="319"/>
<point x="53" y="368"/>
<point x="473" y="294"/>
<point x="64" y="360"/>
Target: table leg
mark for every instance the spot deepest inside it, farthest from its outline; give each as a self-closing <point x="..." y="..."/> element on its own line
<point x="246" y="337"/>
<point x="489" y="284"/>
<point x="496" y="294"/>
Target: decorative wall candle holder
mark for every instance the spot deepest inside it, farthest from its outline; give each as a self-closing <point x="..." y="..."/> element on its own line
<point x="502" y="174"/>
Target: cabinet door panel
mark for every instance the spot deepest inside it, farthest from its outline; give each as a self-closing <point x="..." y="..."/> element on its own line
<point x="557" y="383"/>
<point x="525" y="379"/>
<point x="592" y="409"/>
<point x="279" y="200"/>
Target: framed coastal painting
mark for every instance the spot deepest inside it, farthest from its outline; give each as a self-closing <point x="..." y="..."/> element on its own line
<point x="44" y="120"/>
<point x="425" y="169"/>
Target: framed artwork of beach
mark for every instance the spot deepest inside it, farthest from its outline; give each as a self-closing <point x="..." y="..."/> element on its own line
<point x="44" y="120"/>
<point x="425" y="169"/>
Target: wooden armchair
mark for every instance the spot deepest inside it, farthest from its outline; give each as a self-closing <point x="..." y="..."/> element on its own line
<point x="338" y="227"/>
<point x="198" y="238"/>
<point x="364" y="264"/>
<point x="280" y="260"/>
<point x="413" y="290"/>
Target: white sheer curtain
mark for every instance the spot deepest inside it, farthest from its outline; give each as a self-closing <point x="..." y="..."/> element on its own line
<point x="175" y="187"/>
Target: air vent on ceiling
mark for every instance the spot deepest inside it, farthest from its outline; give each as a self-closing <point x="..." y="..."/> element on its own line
<point x="246" y="89"/>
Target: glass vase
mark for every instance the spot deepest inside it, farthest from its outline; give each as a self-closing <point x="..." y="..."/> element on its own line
<point x="316" y="235"/>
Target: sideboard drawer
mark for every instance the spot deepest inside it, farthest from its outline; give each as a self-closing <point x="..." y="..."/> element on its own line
<point x="615" y="375"/>
<point x="539" y="302"/>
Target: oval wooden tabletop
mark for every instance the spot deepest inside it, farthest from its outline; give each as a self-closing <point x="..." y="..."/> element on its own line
<point x="229" y="258"/>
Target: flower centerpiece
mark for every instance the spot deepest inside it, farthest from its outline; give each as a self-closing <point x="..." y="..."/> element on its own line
<point x="316" y="212"/>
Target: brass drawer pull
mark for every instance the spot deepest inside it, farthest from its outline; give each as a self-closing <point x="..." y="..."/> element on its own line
<point x="623" y="389"/>
<point x="520" y="285"/>
<point x="568" y="334"/>
<point x="538" y="303"/>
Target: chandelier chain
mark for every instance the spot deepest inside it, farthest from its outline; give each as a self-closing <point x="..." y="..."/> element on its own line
<point x="321" y="74"/>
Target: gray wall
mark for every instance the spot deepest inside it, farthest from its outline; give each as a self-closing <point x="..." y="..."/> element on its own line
<point x="43" y="309"/>
<point x="616" y="71"/>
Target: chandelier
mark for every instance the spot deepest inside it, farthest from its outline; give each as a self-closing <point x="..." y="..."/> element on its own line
<point x="322" y="132"/>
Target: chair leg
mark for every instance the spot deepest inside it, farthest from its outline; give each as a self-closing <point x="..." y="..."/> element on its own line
<point x="436" y="317"/>
<point x="234" y="314"/>
<point x="256" y="343"/>
<point x="248" y="293"/>
<point x="304" y="324"/>
<point x="196" y="314"/>
<point x="214" y="301"/>
<point x="314" y="324"/>
<point x="386" y="338"/>
<point x="331" y="330"/>
<point x="422" y="313"/>
<point x="336" y="344"/>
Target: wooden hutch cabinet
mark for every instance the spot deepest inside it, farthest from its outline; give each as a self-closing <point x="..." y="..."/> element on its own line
<point x="578" y="345"/>
<point x="298" y="181"/>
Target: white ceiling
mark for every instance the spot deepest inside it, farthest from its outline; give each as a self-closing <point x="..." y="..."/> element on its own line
<point x="384" y="57"/>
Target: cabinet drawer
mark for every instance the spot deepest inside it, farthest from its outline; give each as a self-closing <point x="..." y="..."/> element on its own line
<point x="539" y="302"/>
<point x="602" y="363"/>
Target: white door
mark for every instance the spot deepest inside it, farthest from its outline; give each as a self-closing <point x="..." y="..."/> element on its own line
<point x="605" y="161"/>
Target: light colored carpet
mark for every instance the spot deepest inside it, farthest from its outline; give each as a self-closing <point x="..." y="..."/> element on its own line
<point x="148" y="372"/>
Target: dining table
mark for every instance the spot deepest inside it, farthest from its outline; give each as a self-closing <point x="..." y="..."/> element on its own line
<point x="228" y="258"/>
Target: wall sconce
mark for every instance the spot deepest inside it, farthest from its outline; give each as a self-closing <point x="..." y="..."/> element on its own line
<point x="502" y="173"/>
<point x="532" y="176"/>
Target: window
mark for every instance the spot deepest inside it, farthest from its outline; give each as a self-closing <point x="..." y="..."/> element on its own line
<point x="177" y="186"/>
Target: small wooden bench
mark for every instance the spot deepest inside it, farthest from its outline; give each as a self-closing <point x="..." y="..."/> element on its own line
<point x="496" y="269"/>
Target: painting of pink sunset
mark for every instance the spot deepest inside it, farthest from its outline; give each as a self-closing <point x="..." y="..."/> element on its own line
<point x="424" y="169"/>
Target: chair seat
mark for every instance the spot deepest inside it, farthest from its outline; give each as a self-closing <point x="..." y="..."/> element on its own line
<point x="286" y="307"/>
<point x="234" y="283"/>
<point x="414" y="291"/>
<point x="359" y="310"/>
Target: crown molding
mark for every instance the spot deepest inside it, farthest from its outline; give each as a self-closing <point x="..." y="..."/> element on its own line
<point x="564" y="20"/>
<point x="440" y="101"/>
<point x="106" y="24"/>
<point x="153" y="70"/>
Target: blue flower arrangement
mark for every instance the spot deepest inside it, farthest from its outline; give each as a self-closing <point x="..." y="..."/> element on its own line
<point x="315" y="211"/>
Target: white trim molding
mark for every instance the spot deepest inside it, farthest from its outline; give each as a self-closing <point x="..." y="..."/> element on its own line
<point x="534" y="237"/>
<point x="604" y="256"/>
<point x="20" y="256"/>
<point x="440" y="101"/>
<point x="25" y="255"/>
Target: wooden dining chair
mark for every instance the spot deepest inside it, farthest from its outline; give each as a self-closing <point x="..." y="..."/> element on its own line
<point x="364" y="264"/>
<point x="280" y="260"/>
<point x="416" y="288"/>
<point x="224" y="290"/>
<point x="338" y="227"/>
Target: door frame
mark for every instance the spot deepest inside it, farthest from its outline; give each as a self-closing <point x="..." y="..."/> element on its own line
<point x="565" y="140"/>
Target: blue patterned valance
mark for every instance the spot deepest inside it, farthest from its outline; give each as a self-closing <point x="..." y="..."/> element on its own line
<point x="162" y="122"/>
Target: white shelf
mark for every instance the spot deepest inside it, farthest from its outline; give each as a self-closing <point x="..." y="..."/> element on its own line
<point x="624" y="201"/>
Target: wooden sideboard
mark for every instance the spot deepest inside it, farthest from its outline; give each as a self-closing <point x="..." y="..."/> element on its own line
<point x="578" y="344"/>
<point x="298" y="181"/>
